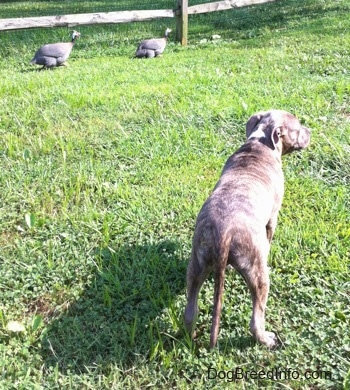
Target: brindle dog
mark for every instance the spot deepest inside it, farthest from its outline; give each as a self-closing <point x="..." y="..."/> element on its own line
<point x="236" y="223"/>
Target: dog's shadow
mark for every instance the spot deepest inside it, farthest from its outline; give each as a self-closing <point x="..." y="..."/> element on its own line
<point x="116" y="319"/>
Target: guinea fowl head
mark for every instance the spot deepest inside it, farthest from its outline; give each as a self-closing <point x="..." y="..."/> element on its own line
<point x="75" y="34"/>
<point x="167" y="32"/>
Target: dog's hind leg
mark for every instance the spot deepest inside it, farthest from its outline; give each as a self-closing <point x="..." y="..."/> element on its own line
<point x="219" y="278"/>
<point x="219" y="266"/>
<point x="197" y="272"/>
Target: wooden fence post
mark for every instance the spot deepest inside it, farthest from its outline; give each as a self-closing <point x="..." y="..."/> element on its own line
<point x="182" y="21"/>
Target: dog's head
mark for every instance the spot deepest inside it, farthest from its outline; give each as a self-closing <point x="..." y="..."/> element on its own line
<point x="278" y="130"/>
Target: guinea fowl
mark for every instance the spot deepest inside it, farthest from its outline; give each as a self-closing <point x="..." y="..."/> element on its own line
<point x="54" y="54"/>
<point x="150" y="48"/>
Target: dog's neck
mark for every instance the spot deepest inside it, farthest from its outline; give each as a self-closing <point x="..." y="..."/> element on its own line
<point x="275" y="150"/>
<point x="260" y="135"/>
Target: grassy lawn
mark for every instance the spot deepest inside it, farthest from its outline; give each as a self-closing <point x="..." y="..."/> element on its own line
<point x="104" y="167"/>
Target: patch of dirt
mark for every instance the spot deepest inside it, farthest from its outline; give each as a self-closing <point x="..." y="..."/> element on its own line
<point x="47" y="307"/>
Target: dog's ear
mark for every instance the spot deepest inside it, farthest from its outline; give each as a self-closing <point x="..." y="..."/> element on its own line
<point x="252" y="122"/>
<point x="276" y="134"/>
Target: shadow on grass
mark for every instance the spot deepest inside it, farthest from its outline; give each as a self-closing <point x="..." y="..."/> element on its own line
<point x="115" y="320"/>
<point x="35" y="69"/>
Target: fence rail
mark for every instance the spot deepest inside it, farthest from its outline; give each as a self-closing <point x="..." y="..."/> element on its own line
<point x="84" y="19"/>
<point x="181" y="13"/>
<point x="223" y="5"/>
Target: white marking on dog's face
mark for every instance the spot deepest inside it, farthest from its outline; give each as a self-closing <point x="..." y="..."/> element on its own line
<point x="258" y="133"/>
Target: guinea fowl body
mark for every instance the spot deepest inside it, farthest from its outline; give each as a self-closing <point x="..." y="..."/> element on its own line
<point x="54" y="54"/>
<point x="150" y="48"/>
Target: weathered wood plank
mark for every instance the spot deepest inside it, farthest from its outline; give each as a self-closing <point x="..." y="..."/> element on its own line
<point x="181" y="13"/>
<point x="84" y="19"/>
<point x="182" y="21"/>
<point x="223" y="5"/>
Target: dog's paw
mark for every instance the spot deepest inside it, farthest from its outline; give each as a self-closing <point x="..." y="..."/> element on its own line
<point x="269" y="339"/>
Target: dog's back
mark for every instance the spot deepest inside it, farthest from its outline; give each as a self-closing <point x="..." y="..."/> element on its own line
<point x="242" y="200"/>
<point x="237" y="222"/>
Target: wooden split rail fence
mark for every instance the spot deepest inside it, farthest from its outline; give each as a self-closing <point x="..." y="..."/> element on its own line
<point x="181" y="13"/>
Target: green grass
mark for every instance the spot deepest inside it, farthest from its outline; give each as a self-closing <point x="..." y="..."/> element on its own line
<point x="104" y="167"/>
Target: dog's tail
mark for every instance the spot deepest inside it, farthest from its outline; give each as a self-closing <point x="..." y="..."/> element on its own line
<point x="219" y="280"/>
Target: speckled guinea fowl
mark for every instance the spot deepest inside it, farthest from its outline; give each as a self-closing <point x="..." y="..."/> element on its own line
<point x="150" y="48"/>
<point x="54" y="54"/>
